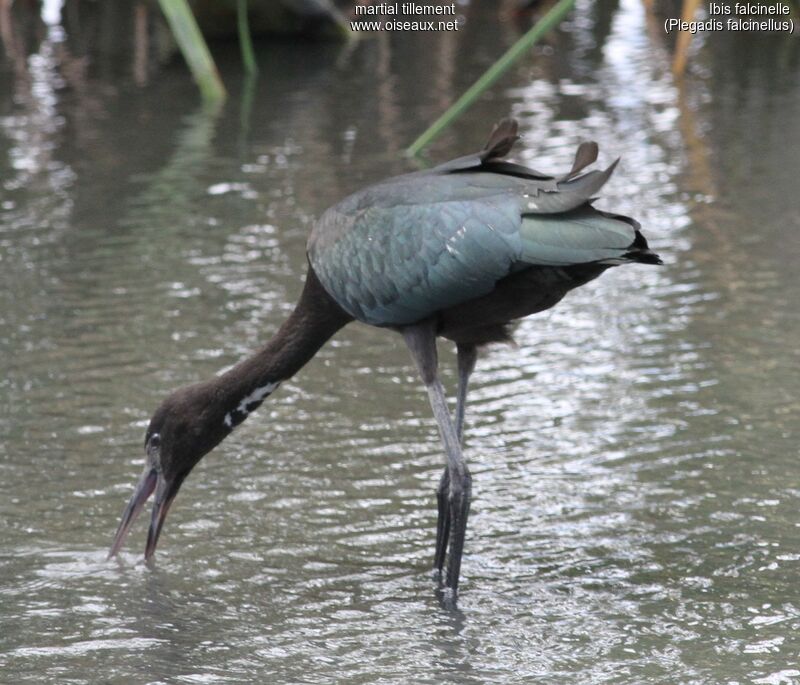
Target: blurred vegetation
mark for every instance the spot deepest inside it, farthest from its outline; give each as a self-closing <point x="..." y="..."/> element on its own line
<point x="193" y="47"/>
<point x="313" y="18"/>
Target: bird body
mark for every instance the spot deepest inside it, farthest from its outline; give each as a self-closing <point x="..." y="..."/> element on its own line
<point x="402" y="250"/>
<point x="459" y="251"/>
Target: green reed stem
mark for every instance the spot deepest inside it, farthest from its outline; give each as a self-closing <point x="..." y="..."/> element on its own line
<point x="193" y="47"/>
<point x="525" y="43"/>
<point x="245" y="40"/>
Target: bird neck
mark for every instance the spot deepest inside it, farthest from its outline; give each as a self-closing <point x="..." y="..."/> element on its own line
<point x="314" y="320"/>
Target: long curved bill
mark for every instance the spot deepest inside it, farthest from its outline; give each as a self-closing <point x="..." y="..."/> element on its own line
<point x="165" y="494"/>
<point x="165" y="491"/>
<point x="144" y="488"/>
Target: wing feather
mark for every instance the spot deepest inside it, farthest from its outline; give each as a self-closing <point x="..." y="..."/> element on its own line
<point x="397" y="265"/>
<point x="576" y="237"/>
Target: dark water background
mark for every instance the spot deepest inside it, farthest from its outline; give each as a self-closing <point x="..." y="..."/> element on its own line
<point x="636" y="514"/>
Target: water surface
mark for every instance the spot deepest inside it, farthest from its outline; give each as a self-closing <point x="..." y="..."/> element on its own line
<point x="636" y="477"/>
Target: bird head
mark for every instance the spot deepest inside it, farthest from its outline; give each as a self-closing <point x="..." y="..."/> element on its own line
<point x="180" y="433"/>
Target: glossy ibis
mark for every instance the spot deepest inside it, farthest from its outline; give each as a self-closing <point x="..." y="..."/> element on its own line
<point x="458" y="251"/>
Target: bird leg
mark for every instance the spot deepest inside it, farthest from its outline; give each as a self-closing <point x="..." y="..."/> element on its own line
<point x="421" y="340"/>
<point x="442" y="522"/>
<point x="467" y="356"/>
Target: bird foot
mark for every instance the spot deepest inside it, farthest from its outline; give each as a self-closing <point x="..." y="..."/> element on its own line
<point x="448" y="598"/>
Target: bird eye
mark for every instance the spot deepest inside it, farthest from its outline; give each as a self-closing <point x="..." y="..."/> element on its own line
<point x="154" y="442"/>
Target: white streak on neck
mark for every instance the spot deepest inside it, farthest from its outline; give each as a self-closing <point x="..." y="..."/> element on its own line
<point x="256" y="396"/>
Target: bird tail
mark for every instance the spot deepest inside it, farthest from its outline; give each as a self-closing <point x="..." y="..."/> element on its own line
<point x="640" y="252"/>
<point x="581" y="236"/>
